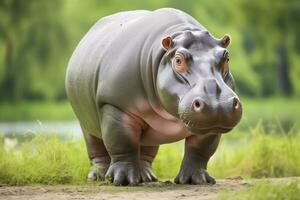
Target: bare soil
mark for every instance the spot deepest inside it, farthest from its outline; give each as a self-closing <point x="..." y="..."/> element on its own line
<point x="156" y="191"/>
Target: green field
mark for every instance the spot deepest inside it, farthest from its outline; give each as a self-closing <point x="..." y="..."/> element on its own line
<point x="51" y="160"/>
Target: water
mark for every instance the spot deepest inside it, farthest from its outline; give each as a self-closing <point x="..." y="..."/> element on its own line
<point x="70" y="128"/>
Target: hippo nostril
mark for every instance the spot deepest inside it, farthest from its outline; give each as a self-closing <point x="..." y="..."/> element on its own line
<point x="198" y="105"/>
<point x="235" y="103"/>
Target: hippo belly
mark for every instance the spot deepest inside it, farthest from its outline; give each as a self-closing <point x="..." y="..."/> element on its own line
<point x="162" y="128"/>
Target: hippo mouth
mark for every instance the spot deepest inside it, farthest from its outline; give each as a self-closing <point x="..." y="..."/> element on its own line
<point x="213" y="129"/>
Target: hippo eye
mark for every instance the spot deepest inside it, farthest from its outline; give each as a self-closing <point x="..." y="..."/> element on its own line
<point x="178" y="61"/>
<point x="180" y="64"/>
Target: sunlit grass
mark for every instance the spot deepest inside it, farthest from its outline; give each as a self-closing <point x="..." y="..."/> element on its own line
<point x="253" y="154"/>
<point x="44" y="160"/>
<point x="167" y="162"/>
<point x="258" y="155"/>
<point x="51" y="160"/>
<point x="266" y="190"/>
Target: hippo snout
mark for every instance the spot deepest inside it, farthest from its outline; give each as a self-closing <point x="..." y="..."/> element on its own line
<point x="232" y="105"/>
<point x="214" y="109"/>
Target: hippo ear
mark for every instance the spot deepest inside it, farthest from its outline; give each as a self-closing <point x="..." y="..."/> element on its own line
<point x="167" y="43"/>
<point x="225" y="41"/>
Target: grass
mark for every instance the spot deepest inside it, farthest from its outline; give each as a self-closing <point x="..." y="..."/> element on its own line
<point x="266" y="191"/>
<point x="51" y="160"/>
<point x="254" y="155"/>
<point x="258" y="155"/>
<point x="44" y="160"/>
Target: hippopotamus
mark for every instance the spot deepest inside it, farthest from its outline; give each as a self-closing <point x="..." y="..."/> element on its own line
<point x="139" y="79"/>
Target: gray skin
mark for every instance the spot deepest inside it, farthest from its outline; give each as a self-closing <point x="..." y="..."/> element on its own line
<point x="131" y="93"/>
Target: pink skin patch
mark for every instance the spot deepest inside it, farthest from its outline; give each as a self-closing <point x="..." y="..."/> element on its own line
<point x="133" y="127"/>
<point x="160" y="127"/>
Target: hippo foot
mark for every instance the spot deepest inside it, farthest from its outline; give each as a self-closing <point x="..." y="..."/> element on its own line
<point x="146" y="172"/>
<point x="123" y="173"/>
<point x="97" y="172"/>
<point x="194" y="176"/>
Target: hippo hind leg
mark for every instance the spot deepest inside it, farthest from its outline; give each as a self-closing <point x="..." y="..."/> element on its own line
<point x="147" y="155"/>
<point x="121" y="136"/>
<point x="99" y="158"/>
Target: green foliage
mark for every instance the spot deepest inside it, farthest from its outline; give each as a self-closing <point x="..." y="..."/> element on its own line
<point x="266" y="191"/>
<point x="273" y="42"/>
<point x="37" y="38"/>
<point x="32" y="37"/>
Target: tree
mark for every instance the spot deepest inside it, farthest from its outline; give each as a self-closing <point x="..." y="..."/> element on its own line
<point x="32" y="34"/>
<point x="271" y="25"/>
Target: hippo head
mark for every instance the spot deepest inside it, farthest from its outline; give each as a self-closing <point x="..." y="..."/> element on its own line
<point x="194" y="82"/>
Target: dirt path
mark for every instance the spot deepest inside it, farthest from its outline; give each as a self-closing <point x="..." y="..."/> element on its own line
<point x="156" y="191"/>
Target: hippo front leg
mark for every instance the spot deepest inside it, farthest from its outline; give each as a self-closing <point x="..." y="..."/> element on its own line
<point x="148" y="153"/>
<point x="198" y="150"/>
<point x="121" y="136"/>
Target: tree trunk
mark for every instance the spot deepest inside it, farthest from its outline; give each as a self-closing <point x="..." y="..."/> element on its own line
<point x="283" y="80"/>
<point x="8" y="85"/>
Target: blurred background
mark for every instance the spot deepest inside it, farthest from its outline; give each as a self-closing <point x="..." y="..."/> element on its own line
<point x="37" y="37"/>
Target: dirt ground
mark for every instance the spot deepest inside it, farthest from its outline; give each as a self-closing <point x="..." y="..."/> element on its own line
<point x="156" y="191"/>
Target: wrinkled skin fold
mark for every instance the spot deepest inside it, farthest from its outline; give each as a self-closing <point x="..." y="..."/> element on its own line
<point x="139" y="79"/>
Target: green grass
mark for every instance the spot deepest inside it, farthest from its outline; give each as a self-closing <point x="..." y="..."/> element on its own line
<point x="250" y="155"/>
<point x="167" y="162"/>
<point x="44" y="160"/>
<point x="258" y="155"/>
<point x="51" y="160"/>
<point x="266" y="191"/>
